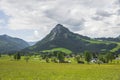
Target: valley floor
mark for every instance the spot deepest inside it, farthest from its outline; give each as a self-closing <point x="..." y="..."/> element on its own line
<point x="35" y="70"/>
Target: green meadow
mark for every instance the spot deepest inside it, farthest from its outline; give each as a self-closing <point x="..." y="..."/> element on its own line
<point x="39" y="70"/>
<point x="59" y="49"/>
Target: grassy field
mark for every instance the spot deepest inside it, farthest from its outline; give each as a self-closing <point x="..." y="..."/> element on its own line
<point x="36" y="70"/>
<point x="59" y="49"/>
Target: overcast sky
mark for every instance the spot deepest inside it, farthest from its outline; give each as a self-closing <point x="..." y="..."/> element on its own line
<point x="32" y="20"/>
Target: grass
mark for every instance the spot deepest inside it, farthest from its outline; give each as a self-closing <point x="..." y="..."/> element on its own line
<point x="59" y="49"/>
<point x="92" y="41"/>
<point x="36" y="70"/>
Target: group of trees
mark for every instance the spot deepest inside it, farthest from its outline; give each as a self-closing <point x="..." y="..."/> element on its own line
<point x="58" y="56"/>
<point x="99" y="58"/>
<point x="108" y="57"/>
<point x="80" y="58"/>
<point x="17" y="56"/>
<point x="104" y="58"/>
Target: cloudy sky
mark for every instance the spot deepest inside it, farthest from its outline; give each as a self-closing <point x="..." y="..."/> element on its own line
<point x="31" y="20"/>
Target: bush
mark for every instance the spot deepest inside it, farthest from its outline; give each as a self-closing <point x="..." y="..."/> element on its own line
<point x="47" y="60"/>
<point x="54" y="59"/>
<point x="80" y="62"/>
<point x="78" y="59"/>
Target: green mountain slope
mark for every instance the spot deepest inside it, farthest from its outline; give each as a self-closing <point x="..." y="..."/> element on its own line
<point x="9" y="44"/>
<point x="61" y="37"/>
<point x="112" y="40"/>
<point x="59" y="49"/>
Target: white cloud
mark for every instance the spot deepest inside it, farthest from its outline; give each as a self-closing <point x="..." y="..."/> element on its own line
<point x="88" y="17"/>
<point x="2" y="21"/>
<point x="36" y="33"/>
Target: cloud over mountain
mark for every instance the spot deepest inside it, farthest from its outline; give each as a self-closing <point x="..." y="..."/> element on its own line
<point x="86" y="17"/>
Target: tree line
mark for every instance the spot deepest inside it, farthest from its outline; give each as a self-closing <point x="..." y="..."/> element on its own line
<point x="59" y="57"/>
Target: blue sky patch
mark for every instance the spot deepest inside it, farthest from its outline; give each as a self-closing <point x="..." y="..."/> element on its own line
<point x="4" y="18"/>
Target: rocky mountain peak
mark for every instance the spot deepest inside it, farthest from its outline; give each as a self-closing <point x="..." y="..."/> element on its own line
<point x="59" y="29"/>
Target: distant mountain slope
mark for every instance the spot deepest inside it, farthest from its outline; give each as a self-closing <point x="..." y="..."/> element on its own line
<point x="112" y="40"/>
<point x="61" y="37"/>
<point x="32" y="43"/>
<point x="117" y="39"/>
<point x="9" y="44"/>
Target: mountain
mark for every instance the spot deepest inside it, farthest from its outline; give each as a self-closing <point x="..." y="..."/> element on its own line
<point x="10" y="44"/>
<point x="117" y="39"/>
<point x="32" y="43"/>
<point x="62" y="37"/>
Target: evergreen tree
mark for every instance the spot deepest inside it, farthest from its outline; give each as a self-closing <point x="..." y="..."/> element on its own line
<point x="109" y="57"/>
<point x="101" y="58"/>
<point x="17" y="56"/>
<point x="60" y="56"/>
<point x="87" y="56"/>
<point x="47" y="60"/>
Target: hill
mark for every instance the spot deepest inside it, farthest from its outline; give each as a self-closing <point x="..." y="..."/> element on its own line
<point x="10" y="44"/>
<point x="62" y="37"/>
